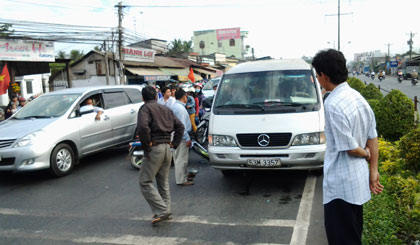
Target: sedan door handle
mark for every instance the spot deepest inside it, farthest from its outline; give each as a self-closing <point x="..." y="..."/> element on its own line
<point x="106" y="118"/>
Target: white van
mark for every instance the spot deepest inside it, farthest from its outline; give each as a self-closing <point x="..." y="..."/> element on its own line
<point x="267" y="115"/>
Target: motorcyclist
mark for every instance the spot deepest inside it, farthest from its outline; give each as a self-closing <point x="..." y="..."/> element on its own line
<point x="381" y="73"/>
<point x="414" y="74"/>
<point x="400" y="73"/>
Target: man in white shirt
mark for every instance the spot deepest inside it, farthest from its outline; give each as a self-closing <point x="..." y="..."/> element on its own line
<point x="167" y="99"/>
<point x="182" y="151"/>
<point x="88" y="106"/>
<point x="352" y="143"/>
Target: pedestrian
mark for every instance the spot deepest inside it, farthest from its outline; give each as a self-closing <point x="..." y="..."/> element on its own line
<point x="167" y="99"/>
<point x="182" y="152"/>
<point x="198" y="91"/>
<point x="155" y="125"/>
<point x="13" y="101"/>
<point x="350" y="130"/>
<point x="159" y="93"/>
<point x="173" y="90"/>
<point x="191" y="108"/>
<point x="22" y="103"/>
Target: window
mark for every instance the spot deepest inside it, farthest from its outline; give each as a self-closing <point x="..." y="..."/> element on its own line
<point x="29" y="87"/>
<point x="115" y="99"/>
<point x="232" y="42"/>
<point x="134" y="94"/>
<point x="202" y="45"/>
<point x="219" y="43"/>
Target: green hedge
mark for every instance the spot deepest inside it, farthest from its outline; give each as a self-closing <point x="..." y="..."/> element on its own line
<point x="371" y="92"/>
<point x="394" y="115"/>
<point x="356" y="83"/>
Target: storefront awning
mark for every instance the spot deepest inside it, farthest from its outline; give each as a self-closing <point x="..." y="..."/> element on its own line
<point x="150" y="74"/>
<point x="143" y="71"/>
<point x="181" y="73"/>
<point x="204" y="71"/>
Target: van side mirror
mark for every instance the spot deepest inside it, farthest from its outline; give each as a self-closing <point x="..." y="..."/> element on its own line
<point x="207" y="102"/>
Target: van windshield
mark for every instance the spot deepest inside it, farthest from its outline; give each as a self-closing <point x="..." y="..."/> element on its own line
<point x="47" y="106"/>
<point x="267" y="90"/>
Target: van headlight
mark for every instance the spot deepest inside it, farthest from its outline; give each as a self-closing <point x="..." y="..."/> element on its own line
<point x="222" y="140"/>
<point x="36" y="137"/>
<point x="309" y="139"/>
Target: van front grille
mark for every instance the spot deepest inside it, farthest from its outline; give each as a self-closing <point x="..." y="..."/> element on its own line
<point x="276" y="139"/>
<point x="6" y="143"/>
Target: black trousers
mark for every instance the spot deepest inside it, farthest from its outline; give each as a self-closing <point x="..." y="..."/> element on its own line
<point x="343" y="222"/>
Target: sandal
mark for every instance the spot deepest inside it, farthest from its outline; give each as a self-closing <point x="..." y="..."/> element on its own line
<point x="159" y="219"/>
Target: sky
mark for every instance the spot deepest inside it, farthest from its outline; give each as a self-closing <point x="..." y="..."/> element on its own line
<point x="276" y="28"/>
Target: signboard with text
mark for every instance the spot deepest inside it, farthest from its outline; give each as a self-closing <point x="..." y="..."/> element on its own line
<point x="157" y="78"/>
<point x="229" y="33"/>
<point x="394" y="63"/>
<point x="26" y="50"/>
<point x="138" y="54"/>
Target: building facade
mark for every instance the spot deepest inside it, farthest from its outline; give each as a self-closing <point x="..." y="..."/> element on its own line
<point x="224" y="41"/>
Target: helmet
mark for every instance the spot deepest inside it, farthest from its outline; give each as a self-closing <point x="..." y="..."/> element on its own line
<point x="199" y="85"/>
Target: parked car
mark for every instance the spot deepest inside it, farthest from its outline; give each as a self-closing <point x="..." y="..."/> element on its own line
<point x="267" y="115"/>
<point x="208" y="90"/>
<point x="53" y="132"/>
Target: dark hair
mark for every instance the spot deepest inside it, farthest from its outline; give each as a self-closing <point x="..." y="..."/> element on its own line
<point x="180" y="93"/>
<point x="163" y="90"/>
<point x="14" y="96"/>
<point x="148" y="93"/>
<point x="173" y="87"/>
<point x="333" y="64"/>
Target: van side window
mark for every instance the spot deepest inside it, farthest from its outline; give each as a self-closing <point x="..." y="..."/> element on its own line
<point x="134" y="94"/>
<point x="115" y="99"/>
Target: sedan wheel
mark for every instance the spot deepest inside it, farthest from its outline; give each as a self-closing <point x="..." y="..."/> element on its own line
<point x="62" y="160"/>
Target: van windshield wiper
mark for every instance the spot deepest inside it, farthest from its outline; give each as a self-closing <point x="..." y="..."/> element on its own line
<point x="28" y="117"/>
<point x="283" y="103"/>
<point x="245" y="106"/>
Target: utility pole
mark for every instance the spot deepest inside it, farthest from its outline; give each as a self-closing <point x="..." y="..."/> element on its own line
<point x="410" y="42"/>
<point x="106" y="64"/>
<point x="120" y="32"/>
<point x="388" y="59"/>
<point x="338" y="25"/>
<point x="253" y="55"/>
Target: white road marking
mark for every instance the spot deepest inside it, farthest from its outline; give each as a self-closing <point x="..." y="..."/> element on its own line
<point x="300" y="230"/>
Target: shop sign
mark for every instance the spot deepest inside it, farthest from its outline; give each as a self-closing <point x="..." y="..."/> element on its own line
<point x="26" y="50"/>
<point x="138" y="54"/>
<point x="227" y="34"/>
<point x="157" y="78"/>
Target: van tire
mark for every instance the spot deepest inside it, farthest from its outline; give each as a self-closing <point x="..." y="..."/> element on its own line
<point x="62" y="160"/>
<point x="227" y="172"/>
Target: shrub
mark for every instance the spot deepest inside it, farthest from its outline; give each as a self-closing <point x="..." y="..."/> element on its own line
<point x="371" y="92"/>
<point x="373" y="104"/>
<point x="409" y="147"/>
<point x="356" y="83"/>
<point x="394" y="115"/>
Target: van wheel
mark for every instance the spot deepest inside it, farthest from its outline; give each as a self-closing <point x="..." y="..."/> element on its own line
<point x="228" y="173"/>
<point x="62" y="160"/>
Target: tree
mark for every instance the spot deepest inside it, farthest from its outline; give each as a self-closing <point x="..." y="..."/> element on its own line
<point x="4" y="30"/>
<point x="76" y="54"/>
<point x="61" y="54"/>
<point x="179" y="47"/>
<point x="97" y="48"/>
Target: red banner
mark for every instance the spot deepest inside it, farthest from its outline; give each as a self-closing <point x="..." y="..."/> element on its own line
<point x="4" y="80"/>
<point x="229" y="33"/>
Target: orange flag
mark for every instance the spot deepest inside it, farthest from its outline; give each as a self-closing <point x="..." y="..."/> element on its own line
<point x="191" y="75"/>
<point x="4" y="80"/>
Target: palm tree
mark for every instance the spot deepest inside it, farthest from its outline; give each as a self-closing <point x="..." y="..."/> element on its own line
<point x="179" y="47"/>
<point x="76" y="54"/>
<point x="61" y="54"/>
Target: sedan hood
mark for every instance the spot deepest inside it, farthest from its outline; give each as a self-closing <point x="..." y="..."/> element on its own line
<point x="15" y="129"/>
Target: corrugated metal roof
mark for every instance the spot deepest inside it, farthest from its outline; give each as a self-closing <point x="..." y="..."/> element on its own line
<point x="160" y="61"/>
<point x="204" y="71"/>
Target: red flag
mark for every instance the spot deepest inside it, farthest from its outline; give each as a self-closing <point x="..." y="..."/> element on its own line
<point x="4" y="80"/>
<point x="191" y="75"/>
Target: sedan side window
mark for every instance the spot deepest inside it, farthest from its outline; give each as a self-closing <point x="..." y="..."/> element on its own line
<point x="115" y="99"/>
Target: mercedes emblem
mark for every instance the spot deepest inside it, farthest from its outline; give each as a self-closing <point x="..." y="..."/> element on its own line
<point x="263" y="140"/>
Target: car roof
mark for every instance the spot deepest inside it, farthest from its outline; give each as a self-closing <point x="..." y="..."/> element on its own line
<point x="83" y="90"/>
<point x="270" y="65"/>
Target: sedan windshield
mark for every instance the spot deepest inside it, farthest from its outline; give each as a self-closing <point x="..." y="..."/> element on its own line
<point x="270" y="89"/>
<point x="209" y="85"/>
<point x="47" y="106"/>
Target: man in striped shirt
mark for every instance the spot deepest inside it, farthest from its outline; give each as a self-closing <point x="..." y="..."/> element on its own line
<point x="352" y="143"/>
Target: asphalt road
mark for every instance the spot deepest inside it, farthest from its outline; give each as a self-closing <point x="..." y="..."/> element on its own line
<point x="100" y="203"/>
<point x="391" y="82"/>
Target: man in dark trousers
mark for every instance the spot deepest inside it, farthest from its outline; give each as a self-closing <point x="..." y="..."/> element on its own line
<point x="351" y="157"/>
<point x="155" y="124"/>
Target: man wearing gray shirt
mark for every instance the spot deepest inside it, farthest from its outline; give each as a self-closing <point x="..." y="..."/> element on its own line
<point x="351" y="157"/>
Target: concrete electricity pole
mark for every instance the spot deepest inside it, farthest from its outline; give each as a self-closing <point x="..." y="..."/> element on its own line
<point x="388" y="58"/>
<point x="120" y="32"/>
<point x="410" y="42"/>
<point x="339" y="30"/>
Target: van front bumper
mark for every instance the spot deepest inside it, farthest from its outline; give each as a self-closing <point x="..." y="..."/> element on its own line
<point x="308" y="157"/>
<point x="26" y="158"/>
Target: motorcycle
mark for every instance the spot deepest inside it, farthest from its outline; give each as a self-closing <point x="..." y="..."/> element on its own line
<point x="135" y="153"/>
<point x="414" y="81"/>
<point x="400" y="78"/>
<point x="203" y="127"/>
<point x="381" y="78"/>
<point x="372" y="76"/>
